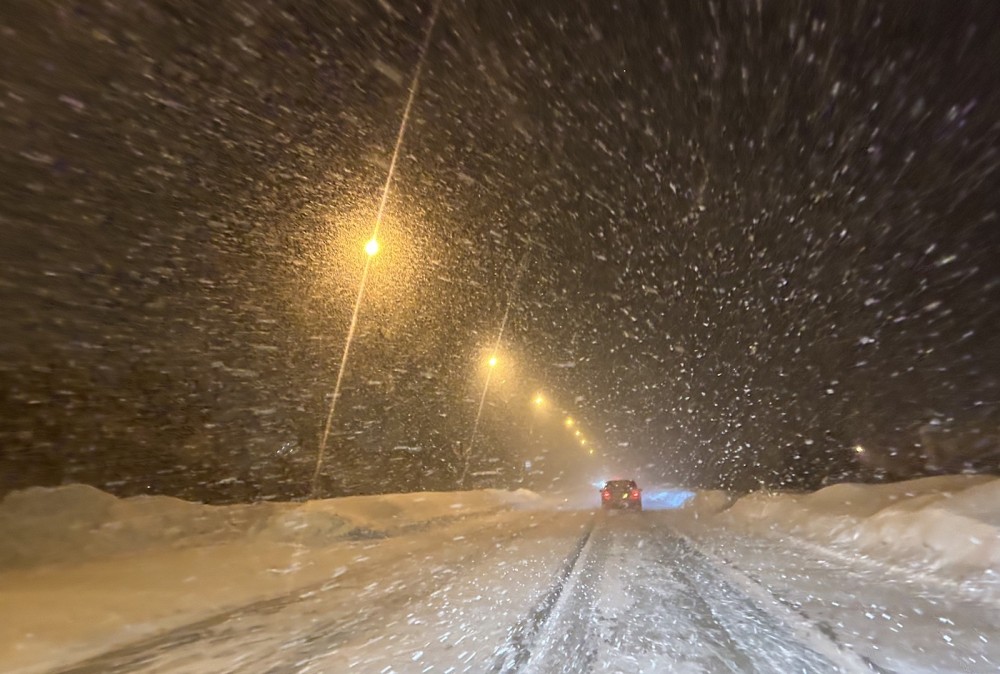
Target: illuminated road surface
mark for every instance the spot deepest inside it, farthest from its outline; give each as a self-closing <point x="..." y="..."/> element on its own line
<point x="569" y="592"/>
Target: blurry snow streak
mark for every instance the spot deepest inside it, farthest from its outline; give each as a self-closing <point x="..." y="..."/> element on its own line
<point x="414" y="85"/>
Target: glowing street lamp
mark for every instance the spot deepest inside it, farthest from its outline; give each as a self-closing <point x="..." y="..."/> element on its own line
<point x="371" y="249"/>
<point x="859" y="449"/>
<point x="539" y="400"/>
<point x="467" y="453"/>
<point x="569" y="422"/>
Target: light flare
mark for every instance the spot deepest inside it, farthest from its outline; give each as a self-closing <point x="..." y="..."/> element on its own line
<point x="371" y="248"/>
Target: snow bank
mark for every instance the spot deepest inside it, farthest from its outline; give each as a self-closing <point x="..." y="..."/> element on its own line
<point x="76" y="523"/>
<point x="709" y="502"/>
<point x="939" y="523"/>
<point x="319" y="522"/>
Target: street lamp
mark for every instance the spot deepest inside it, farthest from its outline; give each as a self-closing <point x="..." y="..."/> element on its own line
<point x="859" y="449"/>
<point x="371" y="249"/>
<point x="569" y="422"/>
<point x="491" y="362"/>
<point x="493" y="359"/>
<point x="539" y="400"/>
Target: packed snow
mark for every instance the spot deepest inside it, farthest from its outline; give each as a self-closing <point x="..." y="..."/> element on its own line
<point x="83" y="572"/>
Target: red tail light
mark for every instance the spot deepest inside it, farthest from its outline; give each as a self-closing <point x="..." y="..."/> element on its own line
<point x="606" y="495"/>
<point x="634" y="494"/>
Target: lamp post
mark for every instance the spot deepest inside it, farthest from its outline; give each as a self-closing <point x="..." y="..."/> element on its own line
<point x="492" y="362"/>
<point x="372" y="247"/>
<point x="371" y="250"/>
<point x="538" y="405"/>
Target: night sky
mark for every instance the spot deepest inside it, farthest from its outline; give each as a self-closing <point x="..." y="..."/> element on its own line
<point x="752" y="237"/>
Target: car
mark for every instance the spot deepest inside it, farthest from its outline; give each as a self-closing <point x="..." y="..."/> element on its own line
<point x="621" y="495"/>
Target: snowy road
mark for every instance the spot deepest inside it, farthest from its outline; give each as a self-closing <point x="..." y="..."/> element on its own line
<point x="641" y="599"/>
<point x="536" y="591"/>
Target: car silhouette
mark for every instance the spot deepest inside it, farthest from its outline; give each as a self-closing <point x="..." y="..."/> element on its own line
<point x="621" y="495"/>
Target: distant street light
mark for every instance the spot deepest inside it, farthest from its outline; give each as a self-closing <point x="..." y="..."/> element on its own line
<point x="859" y="449"/>
<point x="576" y="433"/>
<point x="467" y="453"/>
<point x="372" y="247"/>
<point x="569" y="422"/>
<point x="539" y="402"/>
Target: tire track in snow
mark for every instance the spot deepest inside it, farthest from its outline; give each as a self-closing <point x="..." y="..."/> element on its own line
<point x="517" y="651"/>
<point x="636" y="597"/>
<point x="806" y="631"/>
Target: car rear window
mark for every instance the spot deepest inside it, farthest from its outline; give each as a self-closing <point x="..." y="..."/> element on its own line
<point x="620" y="484"/>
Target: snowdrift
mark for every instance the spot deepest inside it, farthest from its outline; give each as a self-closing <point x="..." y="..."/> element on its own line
<point x="709" y="502"/>
<point x="938" y="523"/>
<point x="318" y="522"/>
<point x="77" y="523"/>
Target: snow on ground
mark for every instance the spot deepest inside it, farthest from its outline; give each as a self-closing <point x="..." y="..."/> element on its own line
<point x="82" y="571"/>
<point x="901" y="623"/>
<point x="709" y="502"/>
<point x="906" y="575"/>
<point x="947" y="527"/>
<point x="77" y="523"/>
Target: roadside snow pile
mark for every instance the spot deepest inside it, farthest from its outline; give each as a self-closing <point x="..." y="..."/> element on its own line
<point x="709" y="502"/>
<point x="947" y="522"/>
<point x="318" y="522"/>
<point x="76" y="523"/>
